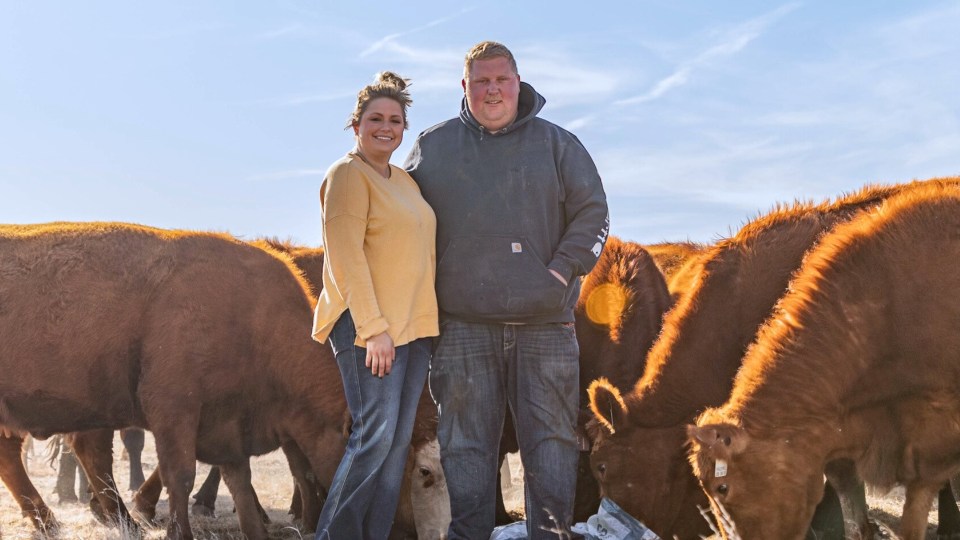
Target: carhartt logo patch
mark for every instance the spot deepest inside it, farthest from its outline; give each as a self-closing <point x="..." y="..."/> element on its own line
<point x="516" y="247"/>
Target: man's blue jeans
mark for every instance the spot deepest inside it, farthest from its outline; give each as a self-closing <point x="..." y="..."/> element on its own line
<point x="363" y="496"/>
<point x="476" y="371"/>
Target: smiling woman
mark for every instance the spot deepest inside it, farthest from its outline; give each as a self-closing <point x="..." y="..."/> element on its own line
<point x="378" y="308"/>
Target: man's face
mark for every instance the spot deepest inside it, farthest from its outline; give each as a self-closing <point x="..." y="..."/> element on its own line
<point x="492" y="90"/>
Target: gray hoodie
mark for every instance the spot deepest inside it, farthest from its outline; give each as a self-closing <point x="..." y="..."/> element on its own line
<point x="510" y="206"/>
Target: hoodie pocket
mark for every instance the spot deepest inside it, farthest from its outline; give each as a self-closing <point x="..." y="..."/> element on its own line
<point x="496" y="277"/>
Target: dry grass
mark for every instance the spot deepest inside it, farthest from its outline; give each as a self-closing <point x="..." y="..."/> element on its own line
<point x="271" y="479"/>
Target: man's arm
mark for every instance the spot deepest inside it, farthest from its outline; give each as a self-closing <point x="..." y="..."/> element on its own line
<point x="585" y="205"/>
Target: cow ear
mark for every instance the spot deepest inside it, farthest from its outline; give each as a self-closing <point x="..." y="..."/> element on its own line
<point x="607" y="404"/>
<point x="722" y="441"/>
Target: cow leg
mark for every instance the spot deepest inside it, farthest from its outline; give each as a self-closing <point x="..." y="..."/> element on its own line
<point x="842" y="477"/>
<point x="94" y="451"/>
<point x="948" y="524"/>
<point x="21" y="488"/>
<point x="237" y="478"/>
<point x="305" y="487"/>
<point x="133" y="440"/>
<point x="83" y="485"/>
<point x="296" y="504"/>
<point x="919" y="498"/>
<point x="205" y="499"/>
<point x="66" y="473"/>
<point x="177" y="457"/>
<point x="146" y="497"/>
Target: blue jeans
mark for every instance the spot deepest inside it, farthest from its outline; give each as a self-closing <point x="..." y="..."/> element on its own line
<point x="476" y="372"/>
<point x="363" y="496"/>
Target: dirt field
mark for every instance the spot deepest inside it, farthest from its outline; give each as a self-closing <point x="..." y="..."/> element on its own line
<point x="272" y="481"/>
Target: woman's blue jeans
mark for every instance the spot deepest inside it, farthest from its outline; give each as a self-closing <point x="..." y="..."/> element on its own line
<point x="477" y="371"/>
<point x="363" y="496"/>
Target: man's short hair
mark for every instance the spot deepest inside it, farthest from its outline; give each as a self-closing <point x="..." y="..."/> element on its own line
<point x="486" y="50"/>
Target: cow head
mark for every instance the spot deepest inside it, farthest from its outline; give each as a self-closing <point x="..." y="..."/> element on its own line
<point x="758" y="488"/>
<point x="428" y="493"/>
<point x="644" y="470"/>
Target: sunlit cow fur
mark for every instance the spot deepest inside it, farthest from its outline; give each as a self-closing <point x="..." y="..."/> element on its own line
<point x="692" y="364"/>
<point x="198" y="337"/>
<point x="860" y="360"/>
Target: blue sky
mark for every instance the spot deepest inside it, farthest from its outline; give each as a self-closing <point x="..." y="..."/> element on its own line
<point x="700" y="115"/>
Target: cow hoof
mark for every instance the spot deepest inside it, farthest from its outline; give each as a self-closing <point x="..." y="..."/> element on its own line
<point x="143" y="510"/>
<point x="67" y="498"/>
<point x="98" y="512"/>
<point x="201" y="510"/>
<point x="44" y="521"/>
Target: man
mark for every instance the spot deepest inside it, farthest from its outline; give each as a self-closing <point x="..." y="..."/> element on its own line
<point x="521" y="215"/>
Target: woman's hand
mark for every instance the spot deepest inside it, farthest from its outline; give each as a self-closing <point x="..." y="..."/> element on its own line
<point x="380" y="354"/>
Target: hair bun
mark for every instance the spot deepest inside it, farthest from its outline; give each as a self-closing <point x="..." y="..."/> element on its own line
<point x="392" y="79"/>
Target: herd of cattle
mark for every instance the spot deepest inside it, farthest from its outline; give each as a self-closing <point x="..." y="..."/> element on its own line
<point x="821" y="339"/>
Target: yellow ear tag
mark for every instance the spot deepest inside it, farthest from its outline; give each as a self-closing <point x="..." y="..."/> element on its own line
<point x="720" y="469"/>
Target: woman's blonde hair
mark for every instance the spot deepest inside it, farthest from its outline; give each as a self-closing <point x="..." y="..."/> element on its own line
<point x="386" y="84"/>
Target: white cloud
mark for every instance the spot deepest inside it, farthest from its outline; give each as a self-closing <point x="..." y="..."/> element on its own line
<point x="391" y="38"/>
<point x="563" y="78"/>
<point x="739" y="38"/>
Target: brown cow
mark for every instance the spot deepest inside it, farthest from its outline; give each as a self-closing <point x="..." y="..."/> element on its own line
<point x="202" y="339"/>
<point x="691" y="366"/>
<point x="618" y="316"/>
<point x="860" y="360"/>
<point x="309" y="261"/>
<point x="677" y="261"/>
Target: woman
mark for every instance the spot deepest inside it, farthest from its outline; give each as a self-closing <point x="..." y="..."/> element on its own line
<point x="378" y="307"/>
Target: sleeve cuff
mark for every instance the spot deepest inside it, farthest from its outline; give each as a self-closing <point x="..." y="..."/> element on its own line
<point x="372" y="327"/>
<point x="561" y="267"/>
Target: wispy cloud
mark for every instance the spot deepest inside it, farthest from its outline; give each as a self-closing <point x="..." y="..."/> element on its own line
<point x="735" y="42"/>
<point x="563" y="78"/>
<point x="386" y="40"/>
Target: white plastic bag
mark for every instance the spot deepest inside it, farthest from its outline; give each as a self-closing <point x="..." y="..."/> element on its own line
<point x="612" y="523"/>
<point x="609" y="523"/>
<point x="514" y="531"/>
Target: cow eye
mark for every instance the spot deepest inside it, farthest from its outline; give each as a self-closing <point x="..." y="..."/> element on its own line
<point x="602" y="468"/>
<point x="723" y="489"/>
<point x="424" y="471"/>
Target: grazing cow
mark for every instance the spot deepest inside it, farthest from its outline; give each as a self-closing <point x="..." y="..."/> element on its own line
<point x="310" y="262"/>
<point x="860" y="360"/>
<point x="200" y="338"/>
<point x="639" y="457"/>
<point x="617" y="317"/>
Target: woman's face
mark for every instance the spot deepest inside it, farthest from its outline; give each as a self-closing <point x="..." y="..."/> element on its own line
<point x="380" y="130"/>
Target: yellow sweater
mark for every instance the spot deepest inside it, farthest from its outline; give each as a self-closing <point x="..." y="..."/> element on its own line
<point x="379" y="238"/>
